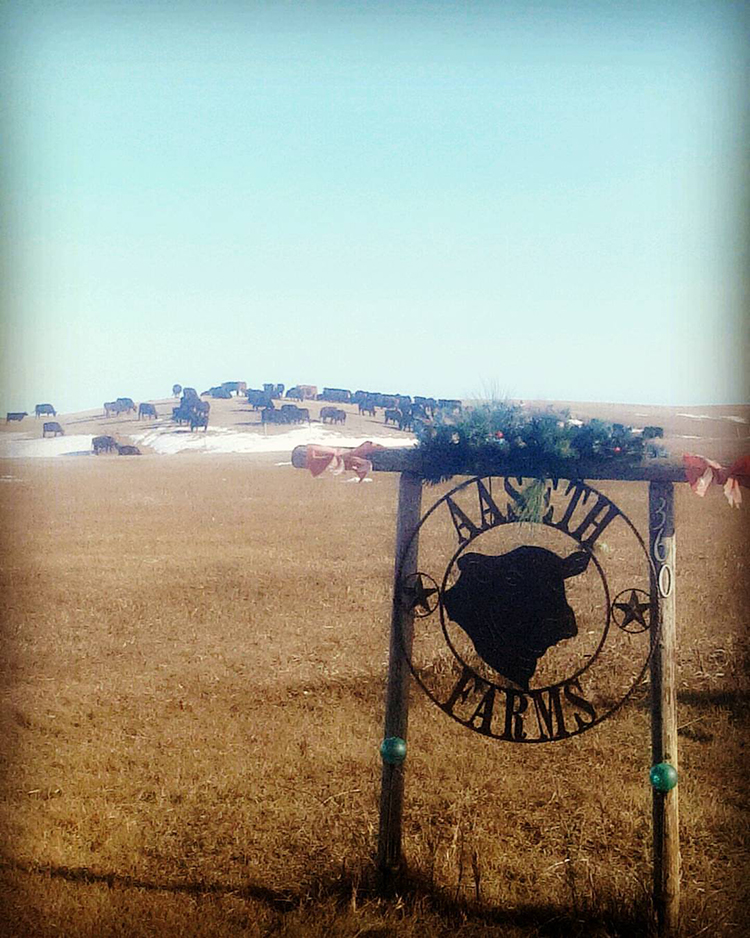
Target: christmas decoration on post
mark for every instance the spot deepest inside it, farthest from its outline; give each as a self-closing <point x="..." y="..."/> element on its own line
<point x="502" y="438"/>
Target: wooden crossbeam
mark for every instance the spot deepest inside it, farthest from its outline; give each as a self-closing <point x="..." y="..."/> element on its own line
<point x="409" y="460"/>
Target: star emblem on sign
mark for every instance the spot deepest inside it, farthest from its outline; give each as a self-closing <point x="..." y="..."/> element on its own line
<point x="419" y="594"/>
<point x="630" y="612"/>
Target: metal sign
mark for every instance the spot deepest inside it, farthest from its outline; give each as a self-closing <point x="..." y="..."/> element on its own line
<point x="528" y="631"/>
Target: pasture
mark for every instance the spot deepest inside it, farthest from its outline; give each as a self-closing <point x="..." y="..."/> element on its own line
<point x="192" y="686"/>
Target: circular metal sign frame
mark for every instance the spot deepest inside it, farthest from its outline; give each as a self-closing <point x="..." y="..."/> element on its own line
<point x="496" y="696"/>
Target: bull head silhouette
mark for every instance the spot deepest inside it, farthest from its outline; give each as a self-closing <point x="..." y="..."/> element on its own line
<point x="513" y="606"/>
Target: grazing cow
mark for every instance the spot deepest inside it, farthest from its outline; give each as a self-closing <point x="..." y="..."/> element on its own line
<point x="271" y="415"/>
<point x="333" y="414"/>
<point x="103" y="444"/>
<point x="146" y="410"/>
<point x="111" y="408"/>
<point x="189" y="393"/>
<point x="126" y="405"/>
<point x="44" y="409"/>
<point x="238" y="387"/>
<point x="176" y="390"/>
<point x="450" y="406"/>
<point x="392" y="415"/>
<point x="366" y="405"/>
<point x="336" y="395"/>
<point x="52" y="427"/>
<point x="513" y="606"/>
<point x="259" y="399"/>
<point x="15" y="415"/>
<point x="295" y="414"/>
<point x="128" y="450"/>
<point x="198" y="420"/>
<point x="295" y="394"/>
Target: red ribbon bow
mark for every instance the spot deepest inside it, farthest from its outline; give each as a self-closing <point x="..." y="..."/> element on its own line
<point x="702" y="473"/>
<point x="320" y="458"/>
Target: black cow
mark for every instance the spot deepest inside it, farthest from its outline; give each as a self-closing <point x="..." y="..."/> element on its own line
<point x="103" y="444"/>
<point x="176" y="390"/>
<point x="366" y="405"/>
<point x="258" y="399"/>
<point x="271" y="415"/>
<point x="126" y="405"/>
<point x="392" y="415"/>
<point x="127" y="450"/>
<point x="334" y="414"/>
<point x="146" y="410"/>
<point x="513" y="607"/>
<point x="54" y="428"/>
<point x="44" y="409"/>
<point x="15" y="415"/>
<point x="295" y="414"/>
<point x="198" y="420"/>
<point x="239" y="387"/>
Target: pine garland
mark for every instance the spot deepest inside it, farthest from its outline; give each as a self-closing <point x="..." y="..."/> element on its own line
<point x="542" y="445"/>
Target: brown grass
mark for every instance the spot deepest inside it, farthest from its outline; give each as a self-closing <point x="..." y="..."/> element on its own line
<point x="193" y="675"/>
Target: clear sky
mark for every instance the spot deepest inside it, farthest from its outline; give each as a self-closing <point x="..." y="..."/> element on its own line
<point x="448" y="198"/>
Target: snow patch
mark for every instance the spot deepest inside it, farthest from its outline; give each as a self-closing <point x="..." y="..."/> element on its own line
<point x="227" y="440"/>
<point x="16" y="446"/>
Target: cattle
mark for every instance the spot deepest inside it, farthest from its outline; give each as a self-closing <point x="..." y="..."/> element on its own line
<point x="513" y="606"/>
<point x="189" y="393"/>
<point x="392" y="415"/>
<point x="198" y="420"/>
<point x="274" y="390"/>
<point x="128" y="450"/>
<point x="126" y="405"/>
<point x="15" y="415"/>
<point x="238" y="387"/>
<point x="652" y="433"/>
<point x="366" y="405"/>
<point x="41" y="409"/>
<point x="295" y="414"/>
<point x="450" y="406"/>
<point x="103" y="444"/>
<point x="259" y="399"/>
<point x="176" y="390"/>
<point x="219" y="391"/>
<point x="52" y="427"/>
<point x="294" y="394"/>
<point x="333" y="414"/>
<point x="271" y="415"/>
<point x="147" y="410"/>
<point x="428" y="403"/>
<point x="111" y="408"/>
<point x="335" y="396"/>
<point x="190" y="408"/>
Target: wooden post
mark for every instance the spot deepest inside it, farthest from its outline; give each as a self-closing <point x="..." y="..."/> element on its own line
<point x="663" y="706"/>
<point x="397" y="693"/>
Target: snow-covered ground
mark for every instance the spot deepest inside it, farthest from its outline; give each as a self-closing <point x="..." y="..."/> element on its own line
<point x="168" y="441"/>
<point x="227" y="440"/>
<point x="18" y="446"/>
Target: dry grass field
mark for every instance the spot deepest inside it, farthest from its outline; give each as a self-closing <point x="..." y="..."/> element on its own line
<point x="193" y="671"/>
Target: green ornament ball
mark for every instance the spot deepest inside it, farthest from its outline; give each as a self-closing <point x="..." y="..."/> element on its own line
<point x="663" y="777"/>
<point x="393" y="750"/>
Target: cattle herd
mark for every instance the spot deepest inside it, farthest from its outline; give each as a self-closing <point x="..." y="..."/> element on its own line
<point x="400" y="410"/>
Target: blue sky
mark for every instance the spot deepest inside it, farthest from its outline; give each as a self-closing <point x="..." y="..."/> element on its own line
<point x="533" y="200"/>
